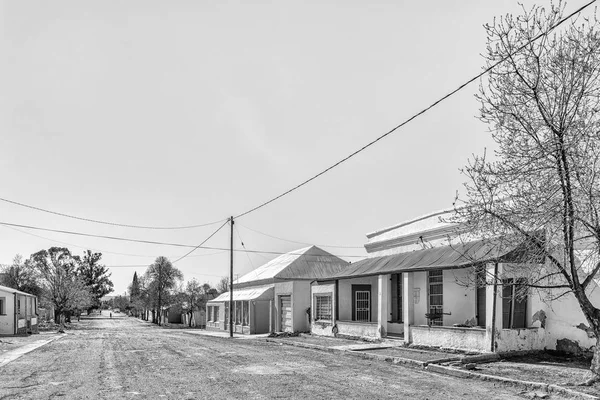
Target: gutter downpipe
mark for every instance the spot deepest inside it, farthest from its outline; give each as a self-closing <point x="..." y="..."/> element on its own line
<point x="16" y="311"/>
<point x="337" y="296"/>
<point x="493" y="341"/>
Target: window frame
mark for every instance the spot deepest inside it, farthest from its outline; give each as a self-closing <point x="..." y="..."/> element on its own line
<point x="317" y="317"/>
<point x="3" y="305"/>
<point x="209" y="310"/>
<point x="509" y="297"/>
<point x="435" y="308"/>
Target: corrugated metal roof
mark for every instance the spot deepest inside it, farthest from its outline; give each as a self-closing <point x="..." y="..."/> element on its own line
<point x="254" y="293"/>
<point x="11" y="290"/>
<point x="307" y="263"/>
<point x="443" y="257"/>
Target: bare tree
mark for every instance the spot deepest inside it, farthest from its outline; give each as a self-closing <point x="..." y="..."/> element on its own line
<point x="21" y="275"/>
<point x="542" y="187"/>
<point x="223" y="285"/>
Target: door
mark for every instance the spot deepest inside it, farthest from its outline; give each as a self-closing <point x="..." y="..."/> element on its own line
<point x="285" y="303"/>
<point x="481" y="297"/>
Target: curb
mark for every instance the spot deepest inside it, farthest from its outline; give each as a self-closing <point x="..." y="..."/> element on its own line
<point x="12" y="355"/>
<point x="441" y="369"/>
<point x="432" y="366"/>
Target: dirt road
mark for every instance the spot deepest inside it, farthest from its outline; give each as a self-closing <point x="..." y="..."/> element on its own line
<point x="123" y="358"/>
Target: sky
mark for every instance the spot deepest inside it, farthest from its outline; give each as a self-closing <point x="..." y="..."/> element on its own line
<point x="174" y="113"/>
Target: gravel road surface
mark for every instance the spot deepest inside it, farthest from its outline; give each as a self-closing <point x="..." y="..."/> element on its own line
<point x="123" y="358"/>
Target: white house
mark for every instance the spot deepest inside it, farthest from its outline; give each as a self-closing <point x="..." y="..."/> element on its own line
<point x="18" y="312"/>
<point x="276" y="295"/>
<point x="414" y="286"/>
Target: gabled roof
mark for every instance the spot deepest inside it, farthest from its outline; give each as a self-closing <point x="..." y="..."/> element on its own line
<point x="253" y="293"/>
<point x="307" y="263"/>
<point x="11" y="290"/>
<point x="442" y="257"/>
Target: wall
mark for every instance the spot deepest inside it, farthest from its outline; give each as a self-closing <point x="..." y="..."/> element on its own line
<point x="357" y="329"/>
<point x="300" y="296"/>
<point x="345" y="296"/>
<point x="472" y="339"/>
<point x="217" y="325"/>
<point x="322" y="328"/>
<point x="458" y="299"/>
<point x="301" y="302"/>
<point x="565" y="320"/>
<point x="519" y="339"/>
<point x="420" y="287"/>
<point x="260" y="320"/>
<point x="285" y="288"/>
<point x="7" y="322"/>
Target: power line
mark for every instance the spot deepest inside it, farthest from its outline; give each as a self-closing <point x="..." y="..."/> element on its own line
<point x="423" y="111"/>
<point x="103" y="251"/>
<point x="106" y="222"/>
<point x="304" y="243"/>
<point x="204" y="241"/>
<point x="242" y="242"/>
<point x="165" y="243"/>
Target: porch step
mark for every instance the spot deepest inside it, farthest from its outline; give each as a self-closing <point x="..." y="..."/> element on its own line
<point x="395" y="336"/>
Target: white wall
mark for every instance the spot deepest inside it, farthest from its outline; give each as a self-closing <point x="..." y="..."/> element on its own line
<point x="322" y="328"/>
<point x="420" y="297"/>
<point x="7" y="322"/>
<point x="282" y="289"/>
<point x="458" y="299"/>
<point x="564" y="315"/>
<point x="301" y="302"/>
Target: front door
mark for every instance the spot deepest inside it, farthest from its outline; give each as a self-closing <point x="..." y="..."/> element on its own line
<point x="285" y="303"/>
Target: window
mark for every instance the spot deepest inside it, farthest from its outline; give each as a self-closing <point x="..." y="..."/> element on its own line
<point x="209" y="313"/>
<point x="238" y="312"/>
<point x="397" y="289"/>
<point x="226" y="317"/>
<point x="215" y="313"/>
<point x="245" y="312"/>
<point x="361" y="303"/>
<point x="514" y="303"/>
<point x="323" y="307"/>
<point x="436" y="296"/>
<point x="18" y="305"/>
<point x="2" y="305"/>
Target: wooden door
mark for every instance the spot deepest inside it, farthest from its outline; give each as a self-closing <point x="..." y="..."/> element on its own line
<point x="285" y="303"/>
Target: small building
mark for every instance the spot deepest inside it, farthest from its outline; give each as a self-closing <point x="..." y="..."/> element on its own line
<point x="274" y="297"/>
<point x="425" y="286"/>
<point x="18" y="312"/>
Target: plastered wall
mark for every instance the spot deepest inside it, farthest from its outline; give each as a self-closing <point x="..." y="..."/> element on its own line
<point x="7" y="321"/>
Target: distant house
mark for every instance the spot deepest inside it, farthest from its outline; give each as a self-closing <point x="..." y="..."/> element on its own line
<point x="18" y="312"/>
<point x="413" y="287"/>
<point x="276" y="295"/>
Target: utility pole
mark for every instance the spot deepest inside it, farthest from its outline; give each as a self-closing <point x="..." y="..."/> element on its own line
<point x="231" y="282"/>
<point x="159" y="312"/>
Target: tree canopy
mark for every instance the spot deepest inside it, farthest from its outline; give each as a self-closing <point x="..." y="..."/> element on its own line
<point x="94" y="275"/>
